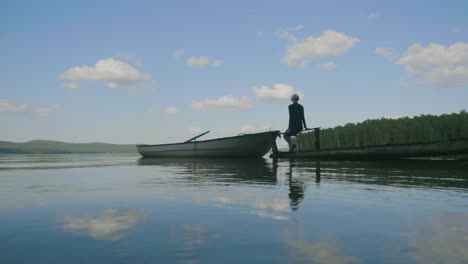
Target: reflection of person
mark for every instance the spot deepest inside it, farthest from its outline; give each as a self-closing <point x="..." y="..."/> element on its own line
<point x="296" y="189"/>
<point x="296" y="119"/>
<point x="318" y="172"/>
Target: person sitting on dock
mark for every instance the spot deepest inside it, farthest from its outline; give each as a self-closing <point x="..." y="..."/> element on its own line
<point x="296" y="121"/>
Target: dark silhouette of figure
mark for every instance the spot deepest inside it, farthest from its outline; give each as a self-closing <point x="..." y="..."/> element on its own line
<point x="318" y="172"/>
<point x="296" y="121"/>
<point x="296" y="189"/>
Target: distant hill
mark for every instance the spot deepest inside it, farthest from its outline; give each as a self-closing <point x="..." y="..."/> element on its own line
<point x="47" y="146"/>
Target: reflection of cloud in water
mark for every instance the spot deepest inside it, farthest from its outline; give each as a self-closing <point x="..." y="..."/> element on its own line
<point x="278" y="205"/>
<point x="318" y="252"/>
<point x="267" y="214"/>
<point x="194" y="235"/>
<point x="271" y="208"/>
<point x="190" y="239"/>
<point x="229" y="200"/>
<point x="109" y="225"/>
<point x="220" y="201"/>
<point x="445" y="240"/>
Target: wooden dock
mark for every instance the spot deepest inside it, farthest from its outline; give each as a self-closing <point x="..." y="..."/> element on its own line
<point x="444" y="148"/>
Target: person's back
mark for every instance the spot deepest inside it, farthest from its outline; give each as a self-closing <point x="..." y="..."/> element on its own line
<point x="296" y="117"/>
<point x="296" y="121"/>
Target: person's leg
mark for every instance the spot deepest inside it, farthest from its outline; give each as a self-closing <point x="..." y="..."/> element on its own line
<point x="291" y="134"/>
<point x="287" y="137"/>
<point x="292" y="146"/>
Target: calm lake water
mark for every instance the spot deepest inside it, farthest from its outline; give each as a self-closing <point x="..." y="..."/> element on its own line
<point x="123" y="209"/>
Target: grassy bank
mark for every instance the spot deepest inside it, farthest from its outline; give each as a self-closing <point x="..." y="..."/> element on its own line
<point x="418" y="129"/>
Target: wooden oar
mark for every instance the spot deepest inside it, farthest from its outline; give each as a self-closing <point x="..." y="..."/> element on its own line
<point x="308" y="129"/>
<point x="202" y="134"/>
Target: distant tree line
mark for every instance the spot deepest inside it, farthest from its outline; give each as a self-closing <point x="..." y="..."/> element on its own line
<point x="419" y="129"/>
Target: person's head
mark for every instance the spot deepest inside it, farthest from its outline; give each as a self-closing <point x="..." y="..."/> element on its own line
<point x="295" y="98"/>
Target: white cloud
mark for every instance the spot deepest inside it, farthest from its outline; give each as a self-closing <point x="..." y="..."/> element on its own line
<point x="328" y="66"/>
<point x="295" y="28"/>
<point x="438" y="64"/>
<point x="131" y="59"/>
<point x="330" y="43"/>
<point x="373" y="16"/>
<point x="218" y="63"/>
<point x="109" y="225"/>
<point x="202" y="62"/>
<point x="179" y="53"/>
<point x="112" y="72"/>
<point x="112" y="85"/>
<point x="70" y="86"/>
<point x="43" y="111"/>
<point x="22" y="108"/>
<point x="279" y="92"/>
<point x="387" y="53"/>
<point x="286" y="34"/>
<point x="199" y="62"/>
<point x="107" y="70"/>
<point x="227" y="102"/>
<point x="12" y="107"/>
<point x="171" y="111"/>
<point x="195" y="130"/>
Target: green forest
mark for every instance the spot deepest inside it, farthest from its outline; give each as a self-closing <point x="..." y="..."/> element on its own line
<point x="418" y="129"/>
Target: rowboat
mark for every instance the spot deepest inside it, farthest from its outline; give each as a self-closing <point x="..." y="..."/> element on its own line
<point x="242" y="145"/>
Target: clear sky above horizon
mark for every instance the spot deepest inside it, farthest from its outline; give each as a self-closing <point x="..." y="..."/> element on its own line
<point x="161" y="71"/>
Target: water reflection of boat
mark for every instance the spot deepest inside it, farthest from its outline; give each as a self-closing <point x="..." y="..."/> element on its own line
<point x="256" y="170"/>
<point x="298" y="174"/>
<point x="249" y="171"/>
<point x="401" y="173"/>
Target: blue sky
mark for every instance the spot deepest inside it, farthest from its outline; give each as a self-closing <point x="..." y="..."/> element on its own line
<point x="157" y="72"/>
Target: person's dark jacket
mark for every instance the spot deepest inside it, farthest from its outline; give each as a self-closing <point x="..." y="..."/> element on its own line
<point x="296" y="118"/>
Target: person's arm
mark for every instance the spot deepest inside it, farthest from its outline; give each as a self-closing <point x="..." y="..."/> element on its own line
<point x="303" y="118"/>
<point x="290" y="117"/>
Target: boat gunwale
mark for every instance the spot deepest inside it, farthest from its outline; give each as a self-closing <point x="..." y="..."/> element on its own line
<point x="215" y="139"/>
<point x="456" y="140"/>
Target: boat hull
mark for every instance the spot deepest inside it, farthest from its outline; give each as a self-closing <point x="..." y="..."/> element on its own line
<point x="248" y="145"/>
<point x="447" y="148"/>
